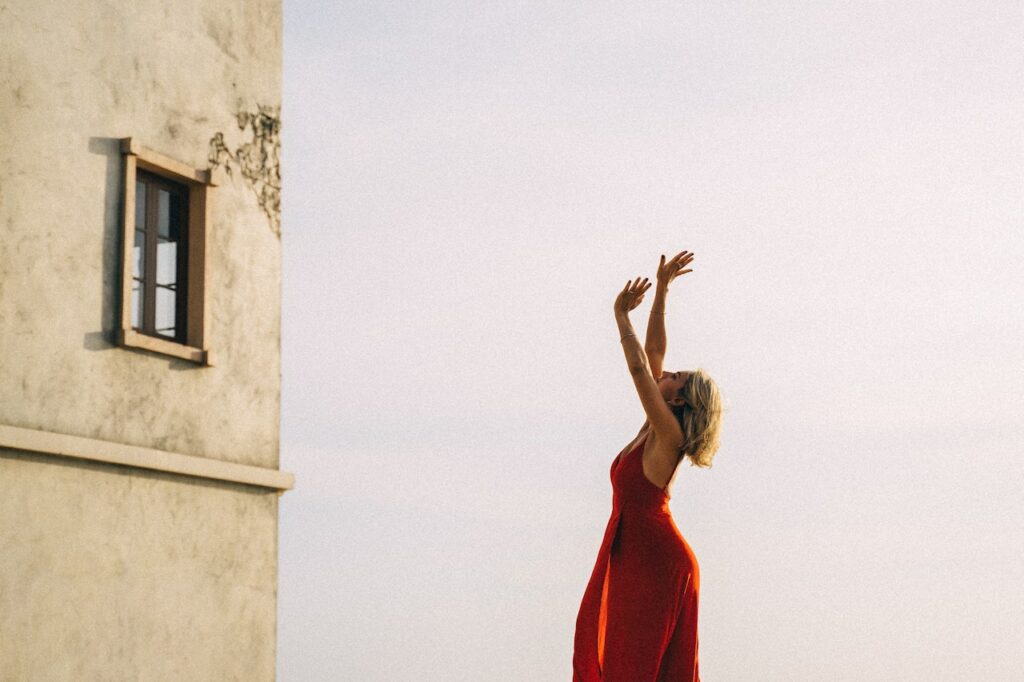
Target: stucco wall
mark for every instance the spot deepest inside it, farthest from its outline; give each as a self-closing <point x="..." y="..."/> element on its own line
<point x="108" y="572"/>
<point x="111" y="573"/>
<point x="76" y="77"/>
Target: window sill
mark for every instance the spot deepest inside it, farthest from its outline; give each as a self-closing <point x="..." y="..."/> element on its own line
<point x="129" y="338"/>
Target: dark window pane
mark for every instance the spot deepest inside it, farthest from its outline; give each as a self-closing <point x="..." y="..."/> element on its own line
<point x="140" y="205"/>
<point x="163" y="213"/>
<point x="165" y="311"/>
<point x="166" y="262"/>
<point x="140" y="253"/>
<point x="177" y="217"/>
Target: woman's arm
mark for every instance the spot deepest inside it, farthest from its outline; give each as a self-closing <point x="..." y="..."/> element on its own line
<point x="664" y="423"/>
<point x="657" y="342"/>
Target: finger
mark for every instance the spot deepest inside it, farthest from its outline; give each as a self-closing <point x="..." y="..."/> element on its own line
<point x="686" y="271"/>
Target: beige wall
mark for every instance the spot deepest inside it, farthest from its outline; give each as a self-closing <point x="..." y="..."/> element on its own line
<point x="171" y="75"/>
<point x="109" y="572"/>
<point x="112" y="573"/>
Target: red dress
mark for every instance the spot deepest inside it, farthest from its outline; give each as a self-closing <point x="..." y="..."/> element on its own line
<point x="638" y="618"/>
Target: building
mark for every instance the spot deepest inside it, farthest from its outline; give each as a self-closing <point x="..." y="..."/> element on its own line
<point x="140" y="360"/>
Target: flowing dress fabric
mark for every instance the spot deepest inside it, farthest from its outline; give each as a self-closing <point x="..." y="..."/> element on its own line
<point x="638" y="618"/>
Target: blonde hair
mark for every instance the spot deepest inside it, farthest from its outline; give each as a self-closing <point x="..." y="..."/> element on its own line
<point x="700" y="418"/>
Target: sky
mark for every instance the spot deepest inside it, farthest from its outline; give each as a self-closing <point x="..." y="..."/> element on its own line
<point x="467" y="186"/>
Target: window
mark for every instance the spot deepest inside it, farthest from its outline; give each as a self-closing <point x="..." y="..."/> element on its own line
<point x="164" y="257"/>
<point x="159" y="273"/>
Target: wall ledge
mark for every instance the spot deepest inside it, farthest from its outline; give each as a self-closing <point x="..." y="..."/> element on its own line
<point x="77" y="447"/>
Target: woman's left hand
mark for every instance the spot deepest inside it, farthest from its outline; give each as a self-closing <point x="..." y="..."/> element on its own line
<point x="672" y="269"/>
<point x="631" y="296"/>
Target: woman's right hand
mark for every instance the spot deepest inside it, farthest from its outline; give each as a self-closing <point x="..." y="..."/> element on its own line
<point x="672" y="269"/>
<point x="631" y="296"/>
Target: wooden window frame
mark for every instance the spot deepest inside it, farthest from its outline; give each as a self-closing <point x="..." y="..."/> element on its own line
<point x="198" y="182"/>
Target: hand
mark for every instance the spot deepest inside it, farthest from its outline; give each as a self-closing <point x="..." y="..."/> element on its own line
<point x="672" y="269"/>
<point x="631" y="296"/>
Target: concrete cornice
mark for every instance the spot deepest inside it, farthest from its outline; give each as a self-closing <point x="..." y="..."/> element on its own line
<point x="77" y="447"/>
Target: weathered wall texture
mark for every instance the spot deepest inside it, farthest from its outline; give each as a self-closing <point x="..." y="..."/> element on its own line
<point x="108" y="572"/>
<point x="76" y="77"/>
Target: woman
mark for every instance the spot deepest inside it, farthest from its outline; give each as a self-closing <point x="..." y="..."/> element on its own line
<point x="638" y="618"/>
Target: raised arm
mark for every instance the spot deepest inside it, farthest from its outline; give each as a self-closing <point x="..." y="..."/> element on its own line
<point x="658" y="413"/>
<point x="657" y="343"/>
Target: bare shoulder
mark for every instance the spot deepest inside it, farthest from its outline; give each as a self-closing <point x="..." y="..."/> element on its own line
<point x="661" y="456"/>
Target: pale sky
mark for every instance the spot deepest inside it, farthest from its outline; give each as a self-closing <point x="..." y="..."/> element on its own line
<point x="467" y="185"/>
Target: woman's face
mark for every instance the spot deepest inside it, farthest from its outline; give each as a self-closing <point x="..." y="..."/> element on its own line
<point x="670" y="383"/>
